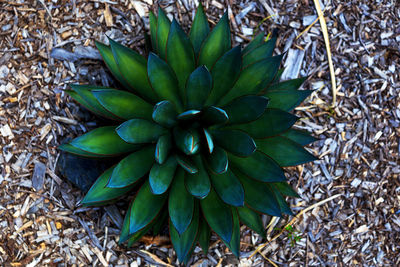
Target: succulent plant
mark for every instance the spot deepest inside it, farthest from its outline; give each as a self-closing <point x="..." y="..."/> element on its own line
<point x="204" y="130"/>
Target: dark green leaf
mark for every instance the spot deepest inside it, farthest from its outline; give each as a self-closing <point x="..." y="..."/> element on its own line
<point x="234" y="245"/>
<point x="234" y="141"/>
<point x="161" y="175"/>
<point x="262" y="51"/>
<point x="198" y="88"/>
<point x="145" y="208"/>
<point x="299" y="136"/>
<point x="224" y="74"/>
<point x="216" y="43"/>
<point x="252" y="219"/>
<point x="103" y="141"/>
<point x="133" y="68"/>
<point x="218" y="215"/>
<point x="259" y="73"/>
<point x="259" y="196"/>
<point x="199" y="30"/>
<point x="123" y="104"/>
<point x="198" y="184"/>
<point x="163" y="147"/>
<point x="163" y="25"/>
<point x="187" y="140"/>
<point x="271" y="123"/>
<point x="209" y="141"/>
<point x="285" y="189"/>
<point x="180" y="55"/>
<point x="245" y="109"/>
<point x="187" y="164"/>
<point x="281" y="201"/>
<point x="228" y="188"/>
<point x="284" y="151"/>
<point x="158" y="226"/>
<point x="218" y="160"/>
<point x="132" y="168"/>
<point x="137" y="131"/>
<point x="99" y="193"/>
<point x="258" y="40"/>
<point x="74" y="150"/>
<point x="153" y="30"/>
<point x="204" y="236"/>
<point x="286" y="99"/>
<point x="138" y="235"/>
<point x="286" y="85"/>
<point x="189" y="114"/>
<point x="163" y="80"/>
<point x="164" y="113"/>
<point x="213" y="116"/>
<point x="181" y="203"/>
<point x="278" y="76"/>
<point x="258" y="166"/>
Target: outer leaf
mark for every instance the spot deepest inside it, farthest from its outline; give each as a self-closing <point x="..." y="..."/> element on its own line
<point x="199" y="30"/>
<point x="103" y="141"/>
<point x="180" y="55"/>
<point x="258" y="166"/>
<point x="153" y="30"/>
<point x="258" y="40"/>
<point x="183" y="243"/>
<point x="123" y="104"/>
<point x="218" y="160"/>
<point x="285" y="189"/>
<point x="234" y="245"/>
<point x="272" y="122"/>
<point x="301" y="137"/>
<point x="187" y="164"/>
<point x="213" y="115"/>
<point x="187" y="141"/>
<point x="145" y="208"/>
<point x="74" y="150"/>
<point x="224" y="74"/>
<point x="259" y="196"/>
<point x="133" y="69"/>
<point x="252" y="220"/>
<point x="181" y="203"/>
<point x="159" y="224"/>
<point x="256" y="74"/>
<point x="246" y="108"/>
<point x="228" y="188"/>
<point x="209" y="141"/>
<point x="163" y="26"/>
<point x="99" y="194"/>
<point x="216" y="44"/>
<point x="137" y="131"/>
<point x="198" y="184"/>
<point x="124" y="235"/>
<point x="204" y="236"/>
<point x="218" y="216"/>
<point x="198" y="88"/>
<point x="236" y="142"/>
<point x="287" y="85"/>
<point x="283" y="206"/>
<point x="163" y="80"/>
<point x="278" y="76"/>
<point x="286" y="99"/>
<point x="163" y="147"/>
<point x="284" y="151"/>
<point x="132" y="168"/>
<point x="138" y="235"/>
<point x="161" y="175"/>
<point x="262" y="51"/>
<point x="164" y="113"/>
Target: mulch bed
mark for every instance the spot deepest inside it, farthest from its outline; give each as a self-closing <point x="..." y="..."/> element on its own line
<point x="349" y="210"/>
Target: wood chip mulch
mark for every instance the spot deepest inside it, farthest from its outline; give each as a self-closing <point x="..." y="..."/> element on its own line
<point x="349" y="210"/>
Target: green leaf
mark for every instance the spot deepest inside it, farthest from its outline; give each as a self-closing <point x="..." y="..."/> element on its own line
<point x="218" y="216"/>
<point x="180" y="54"/>
<point x="99" y="194"/>
<point x="209" y="141"/>
<point x="214" y="115"/>
<point x="259" y="196"/>
<point x="262" y="51"/>
<point x="103" y="141"/>
<point x="228" y="188"/>
<point x="217" y="161"/>
<point x="236" y="142"/>
<point x="224" y="74"/>
<point x="159" y="225"/>
<point x="189" y="114"/>
<point x="286" y="85"/>
<point x="278" y="76"/>
<point x="88" y="100"/>
<point x="163" y="26"/>
<point x="108" y="57"/>
<point x="187" y="164"/>
<point x="252" y="219"/>
<point x="183" y="243"/>
<point x="137" y="131"/>
<point x="285" y="189"/>
<point x="74" y="150"/>
<point x="246" y="108"/>
<point x="187" y="140"/>
<point x="258" y="166"/>
<point x="286" y="99"/>
<point x="163" y="80"/>
<point x="216" y="43"/>
<point x="283" y="206"/>
<point x="124" y="235"/>
<point x="164" y="113"/>
<point x="198" y="184"/>
<point x="284" y="151"/>
<point x="153" y="30"/>
<point x="271" y="123"/>
<point x="161" y="175"/>
<point x="181" y="203"/>
<point x="204" y="236"/>
<point x="163" y="147"/>
<point x="301" y="137"/>
<point x="145" y="207"/>
<point x="199" y="30"/>
<point x="258" y="40"/>
<point x="123" y="104"/>
<point x="234" y="245"/>
<point x="198" y="88"/>
<point x="259" y="73"/>
<point x="132" y="168"/>
<point x="133" y="68"/>
<point x="138" y="235"/>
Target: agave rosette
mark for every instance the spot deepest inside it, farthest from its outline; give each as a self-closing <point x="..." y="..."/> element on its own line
<point x="205" y="129"/>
